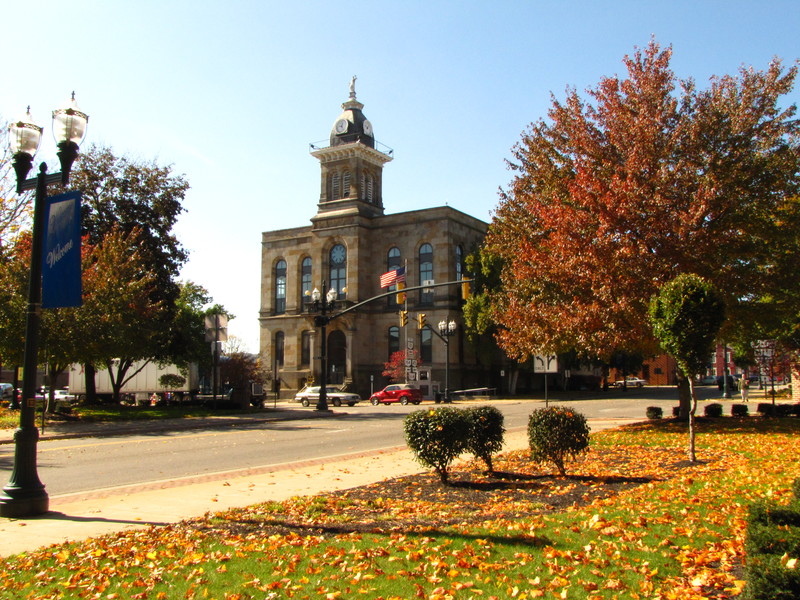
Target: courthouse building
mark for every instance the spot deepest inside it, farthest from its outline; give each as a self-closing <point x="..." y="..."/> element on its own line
<point x="348" y="245"/>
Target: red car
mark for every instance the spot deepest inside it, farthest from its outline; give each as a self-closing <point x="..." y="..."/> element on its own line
<point x="397" y="392"/>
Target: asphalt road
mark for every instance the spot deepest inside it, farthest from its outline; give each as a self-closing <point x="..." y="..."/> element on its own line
<point x="78" y="465"/>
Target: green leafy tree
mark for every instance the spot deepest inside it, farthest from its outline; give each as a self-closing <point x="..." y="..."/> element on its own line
<point x="129" y="195"/>
<point x="686" y="316"/>
<point x="645" y="178"/>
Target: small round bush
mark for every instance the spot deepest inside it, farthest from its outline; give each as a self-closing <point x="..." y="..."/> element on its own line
<point x="739" y="410"/>
<point x="486" y="433"/>
<point x="713" y="410"/>
<point x="437" y="437"/>
<point x="654" y="412"/>
<point x="556" y="434"/>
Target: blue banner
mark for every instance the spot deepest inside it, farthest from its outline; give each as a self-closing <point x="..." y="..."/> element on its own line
<point x="61" y="258"/>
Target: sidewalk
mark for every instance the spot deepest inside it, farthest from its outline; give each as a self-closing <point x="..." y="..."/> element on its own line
<point x="79" y="516"/>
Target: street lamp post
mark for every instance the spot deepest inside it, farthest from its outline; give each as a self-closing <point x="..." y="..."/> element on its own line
<point x="24" y="495"/>
<point x="446" y="330"/>
<point x="322" y="305"/>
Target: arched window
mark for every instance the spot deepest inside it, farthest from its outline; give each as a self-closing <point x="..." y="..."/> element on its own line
<point x="338" y="270"/>
<point x="346" y="184"/>
<point x="305" y="348"/>
<point x="426" y="346"/>
<point x="425" y="272"/>
<point x="394" y="340"/>
<point x="393" y="261"/>
<point x="335" y="186"/>
<point x="305" y="280"/>
<point x="280" y="287"/>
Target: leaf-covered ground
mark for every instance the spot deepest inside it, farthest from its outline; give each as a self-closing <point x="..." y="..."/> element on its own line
<point x="633" y="520"/>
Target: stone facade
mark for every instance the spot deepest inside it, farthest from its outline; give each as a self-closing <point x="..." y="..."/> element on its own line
<point x="348" y="245"/>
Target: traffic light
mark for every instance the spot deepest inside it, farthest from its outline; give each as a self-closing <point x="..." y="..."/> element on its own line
<point x="401" y="295"/>
<point x="403" y="318"/>
<point x="421" y="320"/>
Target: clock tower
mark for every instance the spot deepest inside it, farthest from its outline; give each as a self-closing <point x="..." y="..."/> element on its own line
<point x="351" y="166"/>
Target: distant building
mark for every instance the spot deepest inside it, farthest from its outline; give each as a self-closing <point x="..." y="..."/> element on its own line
<point x="349" y="244"/>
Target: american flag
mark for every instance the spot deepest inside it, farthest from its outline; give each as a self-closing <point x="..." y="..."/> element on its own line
<point x="392" y="277"/>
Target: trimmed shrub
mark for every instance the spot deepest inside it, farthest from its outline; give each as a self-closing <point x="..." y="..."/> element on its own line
<point x="486" y="433"/>
<point x="713" y="411"/>
<point x="769" y="539"/>
<point x="768" y="577"/>
<point x="796" y="409"/>
<point x="766" y="409"/>
<point x="739" y="410"/>
<point x="437" y="437"/>
<point x="555" y="434"/>
<point x="770" y="514"/>
<point x="784" y="410"/>
<point x="676" y="411"/>
<point x="654" y="412"/>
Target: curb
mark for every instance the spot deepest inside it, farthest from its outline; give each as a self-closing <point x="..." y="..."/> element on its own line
<point x="156" y="425"/>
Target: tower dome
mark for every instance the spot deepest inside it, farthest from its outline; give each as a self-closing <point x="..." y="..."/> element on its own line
<point x="352" y="126"/>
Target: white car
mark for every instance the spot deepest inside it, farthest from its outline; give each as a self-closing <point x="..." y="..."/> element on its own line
<point x="63" y="396"/>
<point x="630" y="382"/>
<point x="334" y="395"/>
<point x="6" y="390"/>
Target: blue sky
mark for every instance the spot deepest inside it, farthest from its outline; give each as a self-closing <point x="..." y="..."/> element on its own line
<point x="232" y="93"/>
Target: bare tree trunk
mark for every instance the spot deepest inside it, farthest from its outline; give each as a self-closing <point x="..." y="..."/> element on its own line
<point x="685" y="395"/>
<point x="692" y="453"/>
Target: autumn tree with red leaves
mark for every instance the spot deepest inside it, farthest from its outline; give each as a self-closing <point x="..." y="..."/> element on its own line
<point x="395" y="368"/>
<point x="646" y="179"/>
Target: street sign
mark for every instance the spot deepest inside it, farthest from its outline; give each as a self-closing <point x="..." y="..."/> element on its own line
<point x="545" y="363"/>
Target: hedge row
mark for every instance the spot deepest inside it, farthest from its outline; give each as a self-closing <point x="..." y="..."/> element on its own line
<point x="715" y="410"/>
<point x="773" y="550"/>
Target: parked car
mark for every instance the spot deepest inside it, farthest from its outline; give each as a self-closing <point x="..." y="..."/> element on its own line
<point x="63" y="396"/>
<point x="6" y="391"/>
<point x="334" y="395"/>
<point x="630" y="382"/>
<point x="707" y="380"/>
<point x="397" y="392"/>
<point x="732" y="385"/>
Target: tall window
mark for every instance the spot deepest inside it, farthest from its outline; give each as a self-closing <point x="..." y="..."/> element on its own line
<point x="338" y="270"/>
<point x="459" y="266"/>
<point x="394" y="340"/>
<point x="305" y="280"/>
<point x="393" y="261"/>
<point x="426" y="346"/>
<point x="279" y="337"/>
<point x="369" y="188"/>
<point x="305" y="348"/>
<point x="346" y="184"/>
<point x="280" y="287"/>
<point x="425" y="272"/>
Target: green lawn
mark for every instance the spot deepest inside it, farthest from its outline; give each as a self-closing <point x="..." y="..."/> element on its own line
<point x="111" y="412"/>
<point x="632" y="520"/>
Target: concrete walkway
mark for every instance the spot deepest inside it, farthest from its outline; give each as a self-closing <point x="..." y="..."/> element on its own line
<point x="77" y="517"/>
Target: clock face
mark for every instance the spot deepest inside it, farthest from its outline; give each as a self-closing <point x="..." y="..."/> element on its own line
<point x="367" y="127"/>
<point x="341" y="125"/>
<point x="337" y="254"/>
